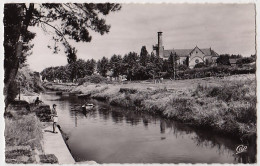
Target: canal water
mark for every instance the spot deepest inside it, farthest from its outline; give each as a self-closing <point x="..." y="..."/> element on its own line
<point x="109" y="134"/>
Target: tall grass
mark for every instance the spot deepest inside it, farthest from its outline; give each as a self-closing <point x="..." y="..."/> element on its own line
<point x="228" y="107"/>
<point x="24" y="131"/>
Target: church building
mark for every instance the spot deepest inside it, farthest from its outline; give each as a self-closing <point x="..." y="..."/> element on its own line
<point x="189" y="57"/>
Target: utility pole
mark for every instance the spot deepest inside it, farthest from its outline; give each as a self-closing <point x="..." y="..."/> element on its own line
<point x="174" y="66"/>
<point x="19" y="90"/>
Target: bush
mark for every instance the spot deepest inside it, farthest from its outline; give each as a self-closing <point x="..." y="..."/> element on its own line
<point x="245" y="60"/>
<point x="92" y="79"/>
<point x="214" y="71"/>
<point x="43" y="113"/>
<point x="19" y="155"/>
<point x="29" y="81"/>
<point x="183" y="67"/>
<point x="24" y="131"/>
<point x="200" y="65"/>
<point x="48" y="158"/>
<point x="127" y="90"/>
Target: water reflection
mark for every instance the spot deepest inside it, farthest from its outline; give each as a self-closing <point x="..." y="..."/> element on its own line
<point x="162" y="126"/>
<point x="247" y="157"/>
<point x="151" y="138"/>
<point x="76" y="119"/>
<point x="104" y="113"/>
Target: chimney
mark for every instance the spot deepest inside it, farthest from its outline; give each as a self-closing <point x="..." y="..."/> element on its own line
<point x="160" y="45"/>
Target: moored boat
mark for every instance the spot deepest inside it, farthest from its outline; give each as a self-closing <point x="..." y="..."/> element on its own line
<point x="88" y="106"/>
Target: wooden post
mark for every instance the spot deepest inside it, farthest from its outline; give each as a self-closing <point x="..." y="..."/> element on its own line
<point x="174" y="69"/>
<point x="19" y="90"/>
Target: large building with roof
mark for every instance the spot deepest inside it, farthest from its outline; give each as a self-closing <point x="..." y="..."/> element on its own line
<point x="189" y="57"/>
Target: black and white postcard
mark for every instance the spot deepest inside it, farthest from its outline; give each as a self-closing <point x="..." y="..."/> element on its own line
<point x="104" y="82"/>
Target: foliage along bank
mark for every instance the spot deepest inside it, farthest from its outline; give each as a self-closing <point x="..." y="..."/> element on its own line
<point x="225" y="105"/>
<point x="145" y="66"/>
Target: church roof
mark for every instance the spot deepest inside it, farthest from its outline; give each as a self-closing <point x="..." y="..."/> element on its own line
<point x="167" y="53"/>
<point x="186" y="52"/>
<point x="206" y="51"/>
<point x="183" y="52"/>
<point x="209" y="52"/>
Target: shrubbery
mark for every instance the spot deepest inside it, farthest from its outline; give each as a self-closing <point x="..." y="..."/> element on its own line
<point x="200" y="65"/>
<point x="91" y="79"/>
<point x="182" y="67"/>
<point x="127" y="90"/>
<point x="245" y="60"/>
<point x="216" y="71"/>
<point x="29" y="81"/>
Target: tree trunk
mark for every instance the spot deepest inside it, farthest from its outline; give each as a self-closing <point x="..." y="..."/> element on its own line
<point x="20" y="30"/>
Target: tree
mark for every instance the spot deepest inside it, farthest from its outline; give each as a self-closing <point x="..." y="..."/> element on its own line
<point x="115" y="64"/>
<point x="245" y="60"/>
<point x="75" y="20"/>
<point x="138" y="72"/>
<point x="155" y="66"/>
<point x="152" y="58"/>
<point x="103" y="66"/>
<point x="182" y="67"/>
<point x="130" y="61"/>
<point x="172" y="60"/>
<point x="74" y="70"/>
<point x="223" y="59"/>
<point x="92" y="66"/>
<point x="165" y="65"/>
<point x="253" y="56"/>
<point x="158" y="63"/>
<point x="236" y="56"/>
<point x="144" y="58"/>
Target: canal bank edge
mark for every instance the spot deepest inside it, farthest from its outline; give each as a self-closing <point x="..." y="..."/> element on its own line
<point x="52" y="143"/>
<point x="209" y="98"/>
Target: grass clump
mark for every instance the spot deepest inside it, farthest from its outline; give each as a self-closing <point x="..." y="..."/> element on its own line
<point x="128" y="90"/>
<point x="23" y="135"/>
<point x="48" y="158"/>
<point x="19" y="154"/>
<point x="228" y="108"/>
<point x="23" y="131"/>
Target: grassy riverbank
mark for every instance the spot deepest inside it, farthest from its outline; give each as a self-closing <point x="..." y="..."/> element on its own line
<point x="23" y="134"/>
<point x="226" y="105"/>
<point x="24" y="137"/>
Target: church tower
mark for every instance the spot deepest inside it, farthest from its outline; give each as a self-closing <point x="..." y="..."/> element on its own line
<point x="159" y="47"/>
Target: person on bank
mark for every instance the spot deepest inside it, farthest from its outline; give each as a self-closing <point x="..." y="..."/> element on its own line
<point x="37" y="101"/>
<point x="54" y="117"/>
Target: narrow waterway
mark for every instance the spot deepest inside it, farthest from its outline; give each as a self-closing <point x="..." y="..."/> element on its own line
<point x="116" y="135"/>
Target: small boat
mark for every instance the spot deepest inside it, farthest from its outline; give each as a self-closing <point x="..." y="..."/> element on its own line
<point x="86" y="107"/>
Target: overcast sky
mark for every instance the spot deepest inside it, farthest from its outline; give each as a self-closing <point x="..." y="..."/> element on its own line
<point x="225" y="28"/>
